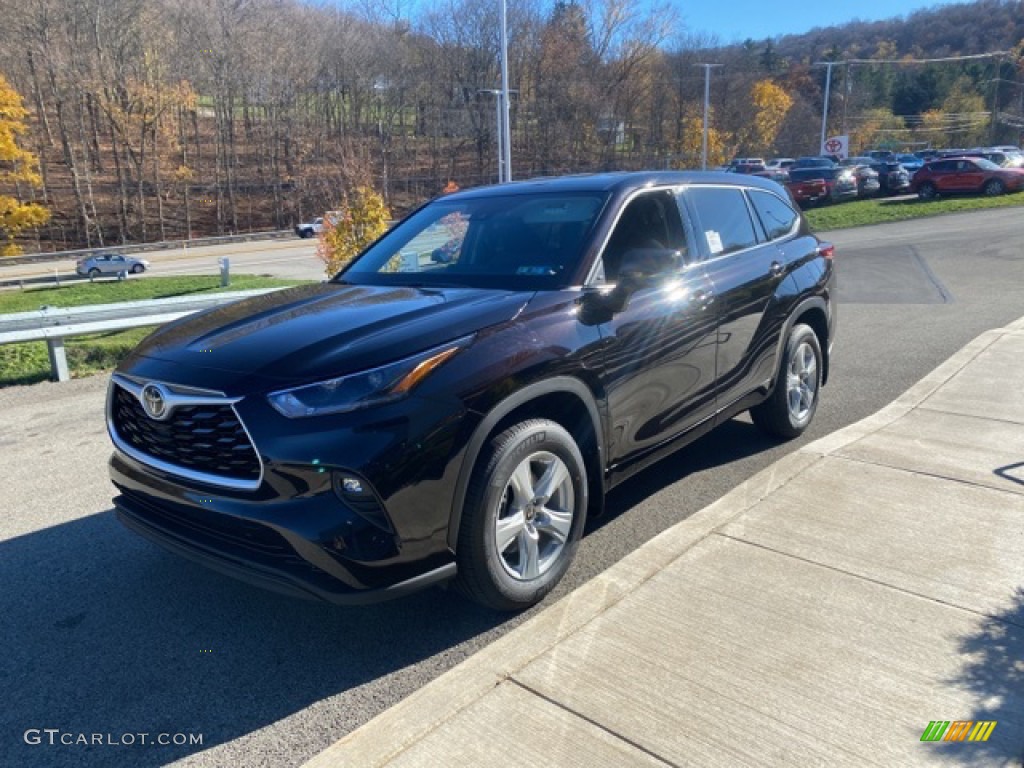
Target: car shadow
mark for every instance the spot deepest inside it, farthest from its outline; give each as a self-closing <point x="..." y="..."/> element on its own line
<point x="993" y="671"/>
<point x="108" y="634"/>
<point x="1010" y="472"/>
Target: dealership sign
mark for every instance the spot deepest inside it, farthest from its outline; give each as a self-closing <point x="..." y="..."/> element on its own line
<point x="836" y="145"/>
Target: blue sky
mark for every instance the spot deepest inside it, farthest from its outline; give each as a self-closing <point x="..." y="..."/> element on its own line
<point x="736" y="20"/>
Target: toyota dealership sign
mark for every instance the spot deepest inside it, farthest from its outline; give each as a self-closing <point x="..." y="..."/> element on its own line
<point x="836" y="145"/>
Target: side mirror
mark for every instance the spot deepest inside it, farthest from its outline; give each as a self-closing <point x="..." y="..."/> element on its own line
<point x="639" y="267"/>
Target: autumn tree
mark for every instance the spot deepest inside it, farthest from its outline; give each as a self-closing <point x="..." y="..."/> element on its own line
<point x="361" y="219"/>
<point x="17" y="168"/>
<point x="769" y="105"/>
<point x="875" y="127"/>
<point x="691" y="143"/>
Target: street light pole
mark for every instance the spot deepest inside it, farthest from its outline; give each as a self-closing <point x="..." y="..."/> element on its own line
<point x="496" y="92"/>
<point x="504" y="123"/>
<point x="707" y="100"/>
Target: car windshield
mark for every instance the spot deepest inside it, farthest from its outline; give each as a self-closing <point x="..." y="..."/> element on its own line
<point x="521" y="242"/>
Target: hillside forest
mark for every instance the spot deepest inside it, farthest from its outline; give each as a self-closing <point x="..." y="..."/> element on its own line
<point x="167" y="119"/>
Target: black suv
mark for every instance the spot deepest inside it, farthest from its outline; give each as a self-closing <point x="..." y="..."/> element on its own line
<point x="455" y="402"/>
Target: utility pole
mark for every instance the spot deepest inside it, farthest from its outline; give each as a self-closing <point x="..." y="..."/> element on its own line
<point x="995" y="100"/>
<point x="828" y="88"/>
<point x="707" y="100"/>
<point x="847" y="87"/>
<point x="505" y="145"/>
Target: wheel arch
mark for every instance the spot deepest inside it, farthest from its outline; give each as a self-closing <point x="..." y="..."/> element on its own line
<point x="812" y="311"/>
<point x="565" y="400"/>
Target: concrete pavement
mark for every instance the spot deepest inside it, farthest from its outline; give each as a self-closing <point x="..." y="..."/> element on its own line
<point x="822" y="613"/>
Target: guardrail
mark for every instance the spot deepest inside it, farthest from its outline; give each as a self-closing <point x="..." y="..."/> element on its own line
<point x="54" y="324"/>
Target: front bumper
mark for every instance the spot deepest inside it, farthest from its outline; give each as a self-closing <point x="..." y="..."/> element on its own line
<point x="296" y="547"/>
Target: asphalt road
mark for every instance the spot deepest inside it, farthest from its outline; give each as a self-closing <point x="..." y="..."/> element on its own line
<point x="293" y="258"/>
<point x="107" y="634"/>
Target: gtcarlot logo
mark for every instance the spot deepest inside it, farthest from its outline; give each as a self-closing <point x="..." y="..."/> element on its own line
<point x="56" y="737"/>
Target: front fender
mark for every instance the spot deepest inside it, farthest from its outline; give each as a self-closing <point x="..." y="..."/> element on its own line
<point x="555" y="385"/>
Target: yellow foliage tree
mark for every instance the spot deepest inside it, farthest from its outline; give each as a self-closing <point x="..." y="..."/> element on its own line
<point x="691" y="144"/>
<point x="876" y="126"/>
<point x="17" y="165"/>
<point x="362" y="218"/>
<point x="771" y="105"/>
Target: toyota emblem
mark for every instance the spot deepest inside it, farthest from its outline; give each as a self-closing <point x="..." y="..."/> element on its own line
<point x="155" y="402"/>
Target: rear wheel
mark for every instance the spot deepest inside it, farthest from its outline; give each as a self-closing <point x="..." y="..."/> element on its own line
<point x="993" y="188"/>
<point x="524" y="515"/>
<point x="790" y="408"/>
<point x="927" y="191"/>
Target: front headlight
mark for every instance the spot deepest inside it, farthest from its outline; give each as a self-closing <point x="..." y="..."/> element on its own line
<point x="359" y="390"/>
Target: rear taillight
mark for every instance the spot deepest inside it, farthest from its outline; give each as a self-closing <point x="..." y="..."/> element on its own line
<point x="827" y="250"/>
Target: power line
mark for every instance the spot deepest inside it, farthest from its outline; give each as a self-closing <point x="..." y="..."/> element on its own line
<point x="969" y="57"/>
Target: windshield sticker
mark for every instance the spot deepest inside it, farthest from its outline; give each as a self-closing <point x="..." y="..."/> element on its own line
<point x="714" y="241"/>
<point x="535" y="271"/>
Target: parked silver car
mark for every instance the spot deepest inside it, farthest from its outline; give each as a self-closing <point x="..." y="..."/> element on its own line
<point x="110" y="264"/>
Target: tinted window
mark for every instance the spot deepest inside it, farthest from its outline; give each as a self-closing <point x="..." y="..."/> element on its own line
<point x="724" y="219"/>
<point x="776" y="217"/>
<point x="650" y="220"/>
<point x="944" y="166"/>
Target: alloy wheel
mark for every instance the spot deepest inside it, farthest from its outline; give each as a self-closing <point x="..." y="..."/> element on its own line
<point x="535" y="516"/>
<point x="802" y="381"/>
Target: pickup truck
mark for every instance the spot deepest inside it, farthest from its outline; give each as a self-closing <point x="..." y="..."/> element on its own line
<point x="814" y="185"/>
<point x="310" y="229"/>
<point x="808" y="191"/>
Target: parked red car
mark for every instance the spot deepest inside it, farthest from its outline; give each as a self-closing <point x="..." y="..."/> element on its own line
<point x="965" y="175"/>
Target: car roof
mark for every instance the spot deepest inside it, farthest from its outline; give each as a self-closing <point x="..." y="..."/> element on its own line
<point x="616" y="182"/>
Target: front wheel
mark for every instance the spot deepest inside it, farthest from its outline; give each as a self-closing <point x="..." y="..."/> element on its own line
<point x="138" y="269"/>
<point x="789" y="409"/>
<point x="524" y="515"/>
<point x="94" y="273"/>
<point x="927" y="191"/>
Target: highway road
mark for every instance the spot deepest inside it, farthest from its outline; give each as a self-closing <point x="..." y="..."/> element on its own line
<point x="107" y="634"/>
<point x="293" y="258"/>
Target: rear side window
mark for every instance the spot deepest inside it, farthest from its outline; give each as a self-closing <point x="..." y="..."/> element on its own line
<point x="724" y="218"/>
<point x="777" y="218"/>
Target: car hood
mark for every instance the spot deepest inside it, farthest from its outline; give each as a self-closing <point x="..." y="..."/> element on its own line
<point x="313" y="332"/>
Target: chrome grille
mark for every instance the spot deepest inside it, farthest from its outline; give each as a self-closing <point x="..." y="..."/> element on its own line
<point x="201" y="440"/>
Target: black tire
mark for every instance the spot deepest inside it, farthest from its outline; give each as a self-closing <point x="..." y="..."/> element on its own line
<point x="305" y="233"/>
<point x="993" y="188"/>
<point x="489" y="576"/>
<point x="778" y="415"/>
<point x="94" y="273"/>
<point x="138" y="269"/>
<point x="927" y="191"/>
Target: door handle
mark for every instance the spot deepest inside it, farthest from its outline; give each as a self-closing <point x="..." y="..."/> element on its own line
<point x="776" y="269"/>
